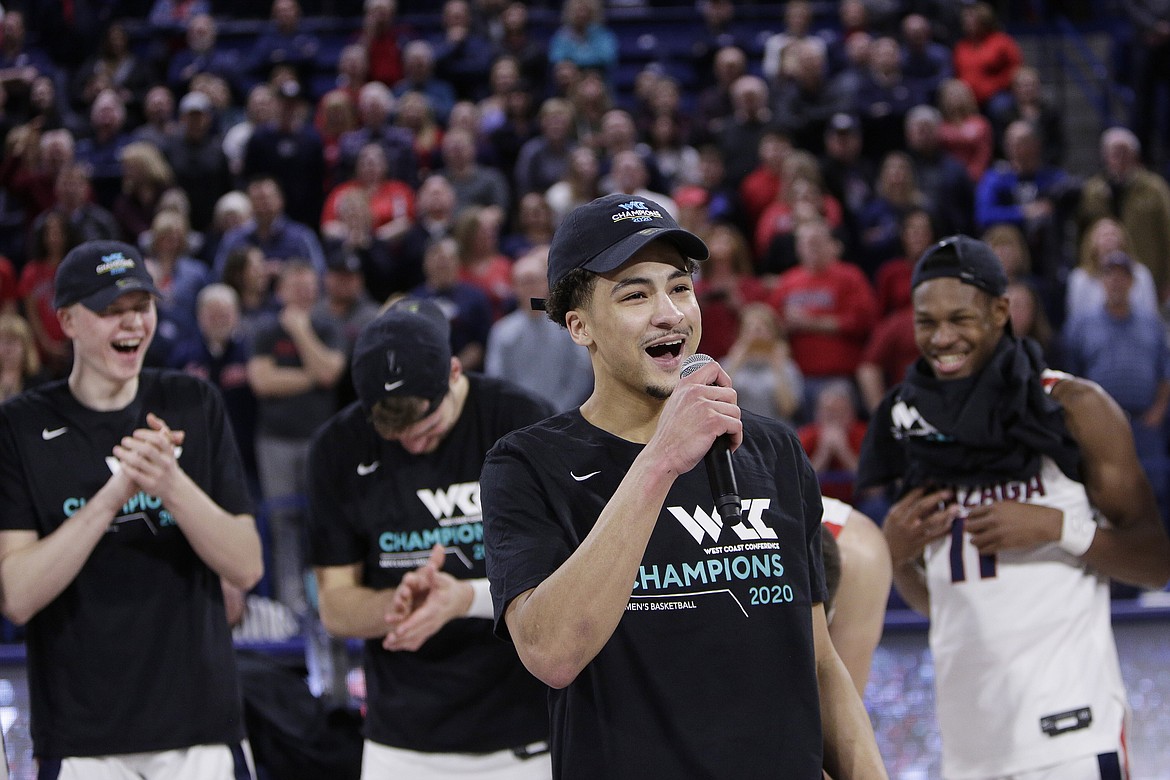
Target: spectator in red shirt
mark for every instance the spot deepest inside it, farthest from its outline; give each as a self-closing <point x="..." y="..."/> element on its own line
<point x="827" y="307"/>
<point x="985" y="57"/>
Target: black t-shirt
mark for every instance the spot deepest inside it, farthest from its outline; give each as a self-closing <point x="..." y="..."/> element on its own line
<point x="294" y="416"/>
<point x="371" y="502"/>
<point x="711" y="671"/>
<point x="135" y="655"/>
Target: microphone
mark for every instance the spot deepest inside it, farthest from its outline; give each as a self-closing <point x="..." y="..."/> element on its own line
<point x="720" y="474"/>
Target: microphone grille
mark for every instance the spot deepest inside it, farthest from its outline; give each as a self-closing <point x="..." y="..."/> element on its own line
<point x="694" y="363"/>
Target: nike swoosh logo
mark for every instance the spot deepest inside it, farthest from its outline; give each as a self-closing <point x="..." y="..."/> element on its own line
<point x="391" y="386"/>
<point x="585" y="477"/>
<point x="48" y="435"/>
<point x="365" y="469"/>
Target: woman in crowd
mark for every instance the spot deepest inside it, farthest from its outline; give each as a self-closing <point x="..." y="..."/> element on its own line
<point x="1084" y="292"/>
<point x="766" y="378"/>
<point x="391" y="202"/>
<point x="51" y="241"/>
<point x="482" y="264"/>
<point x="725" y="286"/>
<point x="20" y="365"/>
<point x="964" y="132"/>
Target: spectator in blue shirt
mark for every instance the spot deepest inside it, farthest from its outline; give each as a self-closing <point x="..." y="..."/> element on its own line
<point x="1125" y="351"/>
<point x="280" y="238"/>
<point x="583" y="39"/>
<point x="1025" y="192"/>
<point x="418" y="65"/>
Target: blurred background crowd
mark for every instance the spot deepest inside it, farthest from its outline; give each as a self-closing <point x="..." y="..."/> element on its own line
<point x="286" y="167"/>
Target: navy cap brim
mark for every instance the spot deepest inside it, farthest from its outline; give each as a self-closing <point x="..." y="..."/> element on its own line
<point x="618" y="254"/>
<point x="101" y="299"/>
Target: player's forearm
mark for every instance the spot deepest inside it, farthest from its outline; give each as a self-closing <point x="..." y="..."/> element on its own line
<point x="355" y="611"/>
<point x="229" y="544"/>
<point x="850" y="747"/>
<point x="1137" y="554"/>
<point x="566" y="620"/>
<point x="871" y="384"/>
<point x="323" y="365"/>
<point x="910" y="582"/>
<point x="32" y="576"/>
<point x="279" y="382"/>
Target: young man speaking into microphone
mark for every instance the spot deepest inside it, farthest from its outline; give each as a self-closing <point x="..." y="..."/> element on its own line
<point x="676" y="644"/>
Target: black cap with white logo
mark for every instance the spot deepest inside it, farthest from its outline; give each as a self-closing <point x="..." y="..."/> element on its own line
<point x="97" y="273"/>
<point x="603" y="234"/>
<point x="405" y="352"/>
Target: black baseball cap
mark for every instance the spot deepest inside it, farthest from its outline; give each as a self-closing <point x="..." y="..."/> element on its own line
<point x="97" y="273"/>
<point x="405" y="352"/>
<point x="967" y="259"/>
<point x="603" y="234"/>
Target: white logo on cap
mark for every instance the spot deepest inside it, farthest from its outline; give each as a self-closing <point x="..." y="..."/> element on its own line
<point x="392" y="386"/>
<point x="637" y="211"/>
<point x="115" y="263"/>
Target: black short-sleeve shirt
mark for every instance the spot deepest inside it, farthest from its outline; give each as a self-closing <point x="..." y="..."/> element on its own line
<point x="135" y="655"/>
<point x="711" y="670"/>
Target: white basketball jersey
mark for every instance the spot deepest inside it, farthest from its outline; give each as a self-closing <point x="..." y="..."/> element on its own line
<point x="1026" y="668"/>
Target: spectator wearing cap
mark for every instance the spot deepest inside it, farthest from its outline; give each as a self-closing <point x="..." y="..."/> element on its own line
<point x="848" y="174"/>
<point x="290" y="150"/>
<point x="396" y="569"/>
<point x="346" y="303"/>
<point x="197" y="158"/>
<point x="269" y="228"/>
<point x="1124" y="350"/>
<point x="1084" y="291"/>
<point x="297" y="360"/>
<point x="134" y="493"/>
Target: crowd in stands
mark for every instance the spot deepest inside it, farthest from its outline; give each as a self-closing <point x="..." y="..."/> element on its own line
<point x="280" y="199"/>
